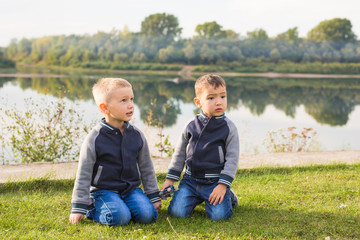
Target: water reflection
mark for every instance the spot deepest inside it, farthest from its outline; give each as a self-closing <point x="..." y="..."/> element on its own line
<point x="4" y="80"/>
<point x="328" y="101"/>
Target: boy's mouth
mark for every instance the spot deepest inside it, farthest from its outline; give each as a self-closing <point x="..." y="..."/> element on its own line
<point x="218" y="109"/>
<point x="129" y="114"/>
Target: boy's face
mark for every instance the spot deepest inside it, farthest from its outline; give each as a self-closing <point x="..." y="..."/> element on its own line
<point x="120" y="106"/>
<point x="212" y="101"/>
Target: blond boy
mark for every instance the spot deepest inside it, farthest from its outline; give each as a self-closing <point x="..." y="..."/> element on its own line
<point x="114" y="161"/>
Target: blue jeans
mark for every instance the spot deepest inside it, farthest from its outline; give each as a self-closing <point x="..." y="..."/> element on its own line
<point x="193" y="191"/>
<point x="111" y="208"/>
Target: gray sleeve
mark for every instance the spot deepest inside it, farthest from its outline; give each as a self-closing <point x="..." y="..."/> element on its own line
<point x="177" y="162"/>
<point x="232" y="146"/>
<point x="147" y="171"/>
<point x="81" y="192"/>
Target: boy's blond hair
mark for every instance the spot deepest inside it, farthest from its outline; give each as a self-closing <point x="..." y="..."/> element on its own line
<point x="208" y="80"/>
<point x="102" y="89"/>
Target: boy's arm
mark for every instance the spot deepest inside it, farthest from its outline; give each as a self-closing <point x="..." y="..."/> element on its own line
<point x="227" y="175"/>
<point x="177" y="163"/>
<point x="147" y="172"/>
<point x="232" y="145"/>
<point x="81" y="192"/>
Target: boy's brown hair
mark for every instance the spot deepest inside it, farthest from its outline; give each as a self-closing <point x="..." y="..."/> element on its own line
<point x="102" y="89"/>
<point x="208" y="80"/>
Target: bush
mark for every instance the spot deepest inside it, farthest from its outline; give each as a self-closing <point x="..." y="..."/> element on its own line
<point x="46" y="131"/>
<point x="288" y="140"/>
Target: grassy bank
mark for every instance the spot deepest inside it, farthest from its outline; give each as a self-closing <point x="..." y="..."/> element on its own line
<point x="192" y="72"/>
<point x="275" y="203"/>
<point x="283" y="66"/>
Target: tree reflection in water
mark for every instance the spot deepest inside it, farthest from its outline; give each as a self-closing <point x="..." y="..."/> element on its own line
<point x="328" y="101"/>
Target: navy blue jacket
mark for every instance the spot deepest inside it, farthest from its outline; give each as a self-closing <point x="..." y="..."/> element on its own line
<point x="209" y="147"/>
<point x="113" y="161"/>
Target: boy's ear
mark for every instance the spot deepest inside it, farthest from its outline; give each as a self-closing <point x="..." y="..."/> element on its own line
<point x="197" y="102"/>
<point x="103" y="108"/>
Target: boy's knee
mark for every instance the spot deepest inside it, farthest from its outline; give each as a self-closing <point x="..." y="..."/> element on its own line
<point x="117" y="218"/>
<point x="219" y="214"/>
<point x="178" y="212"/>
<point x="147" y="217"/>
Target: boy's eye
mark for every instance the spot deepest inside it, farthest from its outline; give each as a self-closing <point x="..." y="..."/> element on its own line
<point x="211" y="98"/>
<point x="223" y="96"/>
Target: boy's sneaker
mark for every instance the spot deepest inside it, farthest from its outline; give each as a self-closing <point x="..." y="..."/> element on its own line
<point x="234" y="199"/>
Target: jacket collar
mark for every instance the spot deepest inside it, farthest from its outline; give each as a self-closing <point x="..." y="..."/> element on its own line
<point x="109" y="127"/>
<point x="202" y="115"/>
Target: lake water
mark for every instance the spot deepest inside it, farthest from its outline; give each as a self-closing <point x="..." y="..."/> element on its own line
<point x="255" y="105"/>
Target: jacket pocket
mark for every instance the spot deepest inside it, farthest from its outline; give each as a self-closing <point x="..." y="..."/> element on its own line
<point x="221" y="155"/>
<point x="98" y="174"/>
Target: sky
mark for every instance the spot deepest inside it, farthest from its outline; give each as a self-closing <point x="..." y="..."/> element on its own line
<point x="38" y="18"/>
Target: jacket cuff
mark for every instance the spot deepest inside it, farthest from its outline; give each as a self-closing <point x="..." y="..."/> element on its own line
<point x="79" y="208"/>
<point x="226" y="180"/>
<point x="173" y="175"/>
<point x="154" y="197"/>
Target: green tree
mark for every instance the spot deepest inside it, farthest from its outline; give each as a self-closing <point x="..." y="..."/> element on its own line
<point x="4" y="62"/>
<point x="337" y="30"/>
<point x="189" y="52"/>
<point x="291" y="34"/>
<point x="222" y="52"/>
<point x="163" y="24"/>
<point x="349" y="53"/>
<point x="258" y="34"/>
<point x="120" y="57"/>
<point x="207" y="54"/>
<point x="88" y="56"/>
<point x="275" y="55"/>
<point x="24" y="46"/>
<point x="53" y="55"/>
<point x="167" y="54"/>
<point x="236" y="54"/>
<point x="12" y="50"/>
<point x="210" y="30"/>
<point x="138" y="57"/>
<point x="231" y="34"/>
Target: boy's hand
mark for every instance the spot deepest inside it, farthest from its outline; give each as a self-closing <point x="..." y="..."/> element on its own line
<point x="76" y="217"/>
<point x="167" y="183"/>
<point x="217" y="195"/>
<point x="157" y="205"/>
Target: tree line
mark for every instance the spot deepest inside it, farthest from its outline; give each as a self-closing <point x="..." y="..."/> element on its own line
<point x="159" y="46"/>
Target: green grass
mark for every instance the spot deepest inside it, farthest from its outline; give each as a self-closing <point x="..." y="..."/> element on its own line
<point x="275" y="203"/>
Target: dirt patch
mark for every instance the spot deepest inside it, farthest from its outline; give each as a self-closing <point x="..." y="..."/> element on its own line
<point x="21" y="172"/>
